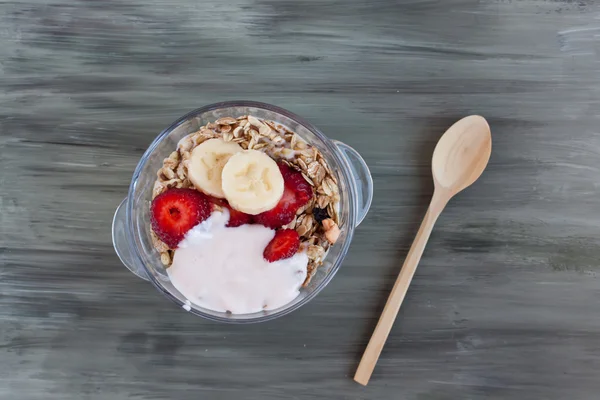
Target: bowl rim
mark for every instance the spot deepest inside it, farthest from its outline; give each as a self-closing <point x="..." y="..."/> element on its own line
<point x="341" y="162"/>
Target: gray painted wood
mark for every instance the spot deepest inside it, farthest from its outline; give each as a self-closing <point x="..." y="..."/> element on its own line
<point x="505" y="302"/>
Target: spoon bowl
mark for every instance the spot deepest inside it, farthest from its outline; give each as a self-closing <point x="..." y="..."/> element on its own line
<point x="462" y="154"/>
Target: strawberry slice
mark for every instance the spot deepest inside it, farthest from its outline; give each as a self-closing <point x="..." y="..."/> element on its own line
<point x="282" y="214"/>
<point x="284" y="244"/>
<point x="236" y="218"/>
<point x="174" y="212"/>
<point x="302" y="189"/>
<point x="296" y="193"/>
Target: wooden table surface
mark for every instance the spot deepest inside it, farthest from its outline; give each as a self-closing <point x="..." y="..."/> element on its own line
<point x="505" y="303"/>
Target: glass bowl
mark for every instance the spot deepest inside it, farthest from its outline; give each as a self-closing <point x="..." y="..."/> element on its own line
<point x="131" y="224"/>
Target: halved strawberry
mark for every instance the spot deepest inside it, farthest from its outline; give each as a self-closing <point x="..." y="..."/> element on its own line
<point x="236" y="218"/>
<point x="282" y="214"/>
<point x="285" y="170"/>
<point x="284" y="244"/>
<point x="302" y="189"/>
<point x="296" y="193"/>
<point x="174" y="212"/>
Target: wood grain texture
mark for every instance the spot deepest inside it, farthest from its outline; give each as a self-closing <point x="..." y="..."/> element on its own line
<point x="505" y="301"/>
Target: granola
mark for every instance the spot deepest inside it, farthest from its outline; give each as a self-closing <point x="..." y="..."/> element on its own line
<point x="317" y="233"/>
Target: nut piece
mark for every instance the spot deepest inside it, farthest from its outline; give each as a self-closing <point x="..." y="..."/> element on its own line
<point x="332" y="231"/>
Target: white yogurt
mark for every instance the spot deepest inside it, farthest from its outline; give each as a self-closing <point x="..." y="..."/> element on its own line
<point x="223" y="269"/>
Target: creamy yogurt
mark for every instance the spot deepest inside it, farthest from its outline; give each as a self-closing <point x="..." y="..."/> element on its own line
<point x="223" y="269"/>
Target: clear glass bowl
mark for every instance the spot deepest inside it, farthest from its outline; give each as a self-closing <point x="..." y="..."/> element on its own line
<point x="131" y="224"/>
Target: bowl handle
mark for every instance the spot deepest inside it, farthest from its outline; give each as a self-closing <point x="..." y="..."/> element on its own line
<point x="362" y="178"/>
<point x="121" y="244"/>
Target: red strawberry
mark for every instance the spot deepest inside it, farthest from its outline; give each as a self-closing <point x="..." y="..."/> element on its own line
<point x="284" y="244"/>
<point x="282" y="214"/>
<point x="175" y="212"/>
<point x="303" y="190"/>
<point x="285" y="170"/>
<point x="295" y="181"/>
<point x="296" y="193"/>
<point x="217" y="201"/>
<point x="236" y="218"/>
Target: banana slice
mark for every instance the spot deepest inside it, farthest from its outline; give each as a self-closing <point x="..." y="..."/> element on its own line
<point x="207" y="162"/>
<point x="252" y="182"/>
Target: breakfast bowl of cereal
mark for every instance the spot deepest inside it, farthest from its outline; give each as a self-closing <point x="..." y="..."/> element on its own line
<point x="241" y="211"/>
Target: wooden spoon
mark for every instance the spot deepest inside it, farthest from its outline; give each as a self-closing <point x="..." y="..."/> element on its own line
<point x="459" y="158"/>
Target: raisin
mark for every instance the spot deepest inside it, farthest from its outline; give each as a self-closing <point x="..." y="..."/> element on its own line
<point x="320" y="214"/>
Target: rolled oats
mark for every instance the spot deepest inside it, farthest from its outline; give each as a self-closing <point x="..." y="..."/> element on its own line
<point x="254" y="121"/>
<point x="300" y="146"/>
<point x="279" y="140"/>
<point x="186" y="144"/>
<point x="158" y="244"/>
<point x="228" y="137"/>
<point x="253" y="133"/>
<point x="265" y="130"/>
<point x="207" y="133"/>
<point x="171" y="162"/>
<point x="307" y="179"/>
<point x="226" y="121"/>
<point x="252" y="143"/>
<point x="315" y="252"/>
<point x="300" y="162"/>
<point x="166" y="173"/>
<point x="332" y="211"/>
<point x="291" y="225"/>
<point x="158" y="188"/>
<point x="316" y="172"/>
<point x="237" y="132"/>
<point x="304" y="224"/>
<point x="182" y="171"/>
<point x="225" y="128"/>
<point x="323" y="201"/>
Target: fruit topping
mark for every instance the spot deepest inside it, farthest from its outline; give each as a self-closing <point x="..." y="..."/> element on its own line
<point x="284" y="244"/>
<point x="175" y="212"/>
<point x="206" y="165"/>
<point x="297" y="192"/>
<point x="282" y="214"/>
<point x="236" y="218"/>
<point x="297" y="183"/>
<point x="252" y="182"/>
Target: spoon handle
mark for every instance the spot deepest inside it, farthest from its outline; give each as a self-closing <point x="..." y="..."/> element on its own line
<point x="392" y="306"/>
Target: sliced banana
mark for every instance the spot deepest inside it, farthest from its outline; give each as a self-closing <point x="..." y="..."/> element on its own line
<point x="206" y="165"/>
<point x="252" y="182"/>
